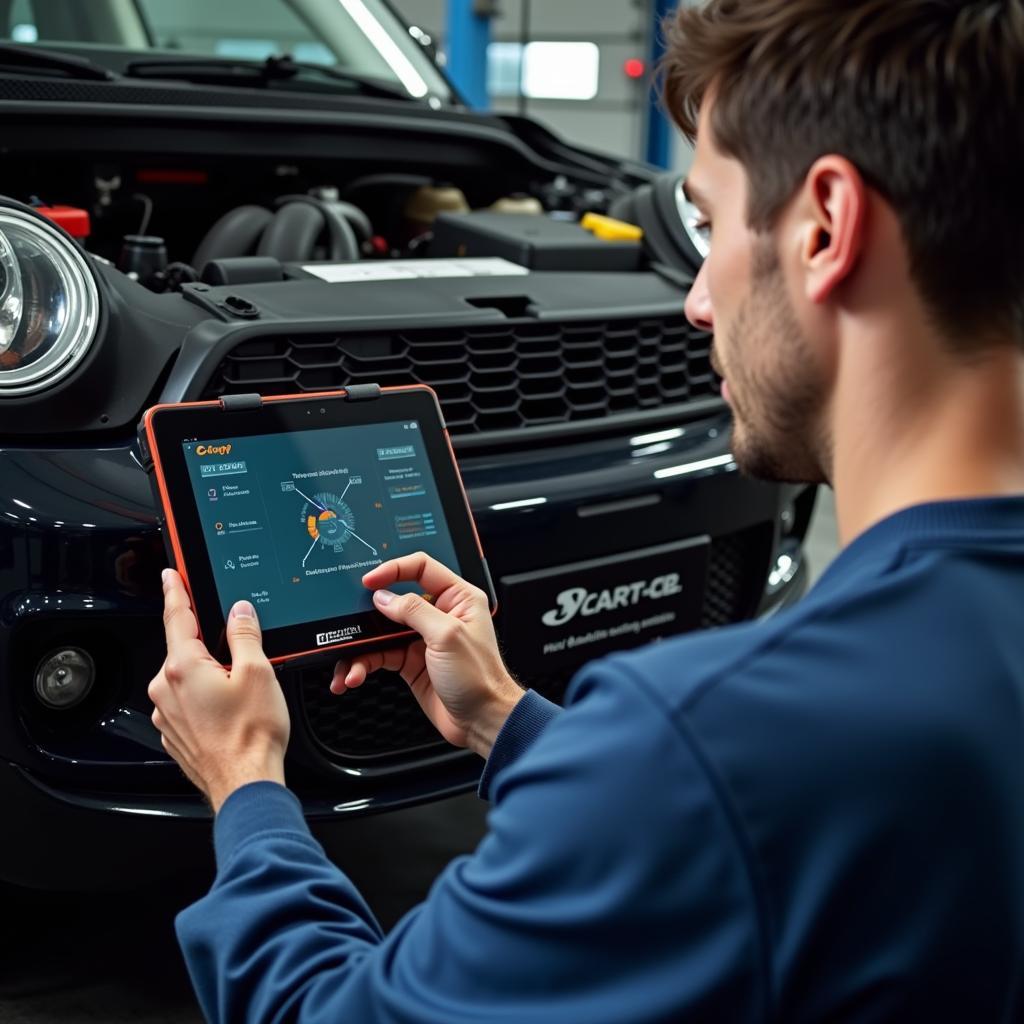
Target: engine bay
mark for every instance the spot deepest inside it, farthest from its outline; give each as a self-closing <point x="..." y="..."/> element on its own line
<point x="190" y="213"/>
<point x="200" y="235"/>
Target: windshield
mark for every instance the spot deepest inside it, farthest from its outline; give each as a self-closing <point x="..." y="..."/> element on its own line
<point x="362" y="37"/>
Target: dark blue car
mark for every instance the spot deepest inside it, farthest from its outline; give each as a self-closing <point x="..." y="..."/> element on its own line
<point x="181" y="224"/>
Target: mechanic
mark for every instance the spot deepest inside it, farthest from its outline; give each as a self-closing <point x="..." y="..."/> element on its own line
<point x="818" y="816"/>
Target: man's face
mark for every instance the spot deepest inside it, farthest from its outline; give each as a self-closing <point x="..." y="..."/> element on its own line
<point x="773" y="379"/>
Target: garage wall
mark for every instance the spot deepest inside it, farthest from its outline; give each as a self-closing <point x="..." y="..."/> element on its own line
<point x="614" y="121"/>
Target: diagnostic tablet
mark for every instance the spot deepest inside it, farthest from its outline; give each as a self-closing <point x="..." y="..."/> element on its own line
<point x="287" y="501"/>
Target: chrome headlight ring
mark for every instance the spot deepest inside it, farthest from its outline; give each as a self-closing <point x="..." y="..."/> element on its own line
<point x="691" y="218"/>
<point x="49" y="304"/>
<point x="11" y="295"/>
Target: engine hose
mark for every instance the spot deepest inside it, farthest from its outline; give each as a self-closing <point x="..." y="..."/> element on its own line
<point x="342" y="241"/>
<point x="291" y="236"/>
<point x="355" y="217"/>
<point x="237" y="233"/>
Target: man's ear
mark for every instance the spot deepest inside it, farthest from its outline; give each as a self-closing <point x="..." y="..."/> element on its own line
<point x="834" y="206"/>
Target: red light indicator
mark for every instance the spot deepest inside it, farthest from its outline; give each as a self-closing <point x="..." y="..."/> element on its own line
<point x="634" y="68"/>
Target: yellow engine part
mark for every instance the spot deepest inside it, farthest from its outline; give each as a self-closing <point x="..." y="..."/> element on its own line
<point x="610" y="229"/>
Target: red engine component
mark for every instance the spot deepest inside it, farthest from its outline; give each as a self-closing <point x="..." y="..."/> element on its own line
<point x="74" y="220"/>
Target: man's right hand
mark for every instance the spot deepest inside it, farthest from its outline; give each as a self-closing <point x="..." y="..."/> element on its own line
<point x="455" y="671"/>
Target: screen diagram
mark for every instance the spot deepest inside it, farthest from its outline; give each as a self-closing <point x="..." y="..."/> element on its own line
<point x="329" y="520"/>
<point x="293" y="521"/>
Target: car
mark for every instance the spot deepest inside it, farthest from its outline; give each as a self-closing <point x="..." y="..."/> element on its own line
<point x="303" y="207"/>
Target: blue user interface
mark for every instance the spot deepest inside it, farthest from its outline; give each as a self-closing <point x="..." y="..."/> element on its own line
<point x="293" y="521"/>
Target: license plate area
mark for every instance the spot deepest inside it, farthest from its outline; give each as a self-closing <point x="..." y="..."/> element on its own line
<point x="561" y="617"/>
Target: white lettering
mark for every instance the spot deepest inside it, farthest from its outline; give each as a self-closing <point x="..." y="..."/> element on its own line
<point x="338" y="635"/>
<point x="580" y="601"/>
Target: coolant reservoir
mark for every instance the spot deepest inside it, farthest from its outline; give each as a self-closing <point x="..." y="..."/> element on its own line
<point x="423" y="206"/>
<point x="518" y="204"/>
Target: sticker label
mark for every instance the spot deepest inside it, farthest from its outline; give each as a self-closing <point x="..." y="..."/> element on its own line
<point x="407" y="270"/>
<point x="337" y="636"/>
<point x="562" y="617"/>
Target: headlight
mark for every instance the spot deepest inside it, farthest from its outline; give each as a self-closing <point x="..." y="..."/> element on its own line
<point x="49" y="304"/>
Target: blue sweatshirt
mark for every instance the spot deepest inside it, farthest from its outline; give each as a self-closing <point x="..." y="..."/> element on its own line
<point x="815" y="817"/>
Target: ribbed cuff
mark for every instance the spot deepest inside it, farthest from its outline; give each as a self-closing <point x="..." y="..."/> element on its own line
<point x="252" y="808"/>
<point x="527" y="721"/>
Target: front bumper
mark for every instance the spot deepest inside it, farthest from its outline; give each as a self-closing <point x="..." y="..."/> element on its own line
<point x="80" y="560"/>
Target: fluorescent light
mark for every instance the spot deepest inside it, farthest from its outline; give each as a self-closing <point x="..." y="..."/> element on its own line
<point x="545" y="70"/>
<point x="661" y="435"/>
<point x="694" y="467"/>
<point x="652" y="449"/>
<point x="386" y="47"/>
<point x="353" y="805"/>
<point x="22" y="504"/>
<point x="525" y="503"/>
<point x="148" y="812"/>
<point x="561" y="71"/>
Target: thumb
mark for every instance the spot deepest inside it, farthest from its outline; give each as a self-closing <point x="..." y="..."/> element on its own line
<point x="413" y="611"/>
<point x="245" y="638"/>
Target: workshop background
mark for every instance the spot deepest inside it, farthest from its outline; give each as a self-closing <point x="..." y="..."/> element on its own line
<point x="583" y="67"/>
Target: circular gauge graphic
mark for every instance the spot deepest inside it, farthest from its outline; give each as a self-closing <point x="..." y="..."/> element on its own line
<point x="328" y="520"/>
<point x="330" y="523"/>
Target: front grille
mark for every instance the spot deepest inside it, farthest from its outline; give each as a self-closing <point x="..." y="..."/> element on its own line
<point x="379" y="719"/>
<point x="382" y="720"/>
<point x="519" y="374"/>
<point x="736" y="574"/>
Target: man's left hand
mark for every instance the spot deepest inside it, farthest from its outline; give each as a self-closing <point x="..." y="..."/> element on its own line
<point x="224" y="727"/>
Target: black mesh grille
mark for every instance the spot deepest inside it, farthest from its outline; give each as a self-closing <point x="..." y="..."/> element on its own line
<point x="493" y="378"/>
<point x="382" y="720"/>
<point x="378" y="719"/>
<point x="736" y="573"/>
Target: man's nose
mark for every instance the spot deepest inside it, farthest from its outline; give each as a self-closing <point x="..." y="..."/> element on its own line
<point x="698" y="303"/>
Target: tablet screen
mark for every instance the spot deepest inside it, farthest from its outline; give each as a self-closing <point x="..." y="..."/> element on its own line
<point x="293" y="520"/>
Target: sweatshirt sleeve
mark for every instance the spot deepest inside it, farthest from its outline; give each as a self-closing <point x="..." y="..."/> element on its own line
<point x="527" y="721"/>
<point x="610" y="887"/>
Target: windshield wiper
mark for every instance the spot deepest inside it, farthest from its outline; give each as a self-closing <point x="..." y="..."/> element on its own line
<point x="224" y="71"/>
<point x="29" y="58"/>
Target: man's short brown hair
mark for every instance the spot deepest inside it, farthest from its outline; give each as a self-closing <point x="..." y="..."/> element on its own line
<point x="922" y="96"/>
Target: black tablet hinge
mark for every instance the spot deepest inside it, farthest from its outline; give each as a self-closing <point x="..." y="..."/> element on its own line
<point x="362" y="392"/>
<point x="231" y="403"/>
<point x="145" y="455"/>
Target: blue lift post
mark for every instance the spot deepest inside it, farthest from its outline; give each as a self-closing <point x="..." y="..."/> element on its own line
<point x="467" y="36"/>
<point x="659" y="131"/>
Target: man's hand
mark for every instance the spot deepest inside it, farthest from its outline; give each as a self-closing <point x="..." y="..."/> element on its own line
<point x="455" y="671"/>
<point x="224" y="728"/>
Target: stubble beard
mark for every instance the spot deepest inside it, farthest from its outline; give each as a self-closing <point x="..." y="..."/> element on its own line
<point x="775" y="384"/>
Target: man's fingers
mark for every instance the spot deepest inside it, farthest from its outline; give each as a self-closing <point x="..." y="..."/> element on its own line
<point x="438" y="628"/>
<point x="349" y="676"/>
<point x="419" y="568"/>
<point x="245" y="638"/>
<point x="179" y="623"/>
<point x="164" y="727"/>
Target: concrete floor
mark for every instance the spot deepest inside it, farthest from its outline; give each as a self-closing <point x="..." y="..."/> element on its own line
<point x="113" y="959"/>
